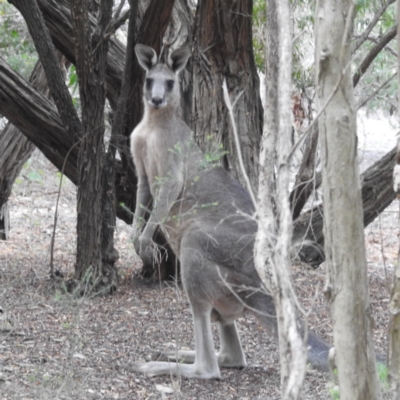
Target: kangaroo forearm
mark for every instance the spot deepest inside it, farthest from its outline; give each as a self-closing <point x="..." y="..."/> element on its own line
<point x="158" y="217"/>
<point x="142" y="204"/>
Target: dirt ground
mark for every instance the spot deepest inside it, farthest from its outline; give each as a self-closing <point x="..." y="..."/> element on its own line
<point x="55" y="346"/>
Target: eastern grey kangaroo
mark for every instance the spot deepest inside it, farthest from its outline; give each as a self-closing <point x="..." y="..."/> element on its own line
<point x="206" y="216"/>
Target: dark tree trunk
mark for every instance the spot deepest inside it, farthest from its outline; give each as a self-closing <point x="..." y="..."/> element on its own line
<point x="91" y="47"/>
<point x="161" y="12"/>
<point x="109" y="203"/>
<point x="377" y="194"/>
<point x="223" y="50"/>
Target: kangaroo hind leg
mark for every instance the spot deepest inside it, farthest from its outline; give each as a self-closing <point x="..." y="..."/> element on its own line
<point x="196" y="281"/>
<point x="230" y="354"/>
<point x="205" y="361"/>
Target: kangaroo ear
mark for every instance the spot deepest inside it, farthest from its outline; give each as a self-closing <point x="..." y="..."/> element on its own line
<point x="177" y="59"/>
<point x="146" y="56"/>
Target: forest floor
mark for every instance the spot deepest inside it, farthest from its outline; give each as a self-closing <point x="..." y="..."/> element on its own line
<point x="56" y="346"/>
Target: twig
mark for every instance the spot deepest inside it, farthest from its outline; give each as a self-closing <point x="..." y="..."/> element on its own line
<point x="386" y="38"/>
<point x="230" y="106"/>
<point x="376" y="91"/>
<point x="53" y="235"/>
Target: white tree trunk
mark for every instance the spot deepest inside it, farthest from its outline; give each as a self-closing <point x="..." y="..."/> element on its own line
<point x="347" y="285"/>
<point x="275" y="231"/>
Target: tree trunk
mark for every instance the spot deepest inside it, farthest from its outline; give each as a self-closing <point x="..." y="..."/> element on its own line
<point x="273" y="240"/>
<point x="91" y="47"/>
<point x="347" y="285"/>
<point x="223" y="50"/>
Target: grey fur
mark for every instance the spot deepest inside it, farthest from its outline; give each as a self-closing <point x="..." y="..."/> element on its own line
<point x="207" y="218"/>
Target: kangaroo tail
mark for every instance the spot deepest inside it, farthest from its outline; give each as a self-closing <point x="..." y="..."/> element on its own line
<point x="262" y="306"/>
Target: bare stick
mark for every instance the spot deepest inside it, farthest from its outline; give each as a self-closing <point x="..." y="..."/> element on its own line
<point x="375" y="92"/>
<point x="53" y="235"/>
<point x="230" y="107"/>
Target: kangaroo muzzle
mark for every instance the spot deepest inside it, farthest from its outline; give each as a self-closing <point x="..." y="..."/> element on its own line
<point x="157" y="95"/>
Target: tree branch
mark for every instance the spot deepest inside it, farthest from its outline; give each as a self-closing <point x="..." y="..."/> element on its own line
<point x="364" y="36"/>
<point x="44" y="46"/>
<point x="386" y="38"/>
<point x="375" y="92"/>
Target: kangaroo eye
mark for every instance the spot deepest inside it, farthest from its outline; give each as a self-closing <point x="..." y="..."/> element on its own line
<point x="149" y="82"/>
<point x="170" y="84"/>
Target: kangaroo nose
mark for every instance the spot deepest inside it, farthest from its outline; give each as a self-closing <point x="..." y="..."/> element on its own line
<point x="157" y="101"/>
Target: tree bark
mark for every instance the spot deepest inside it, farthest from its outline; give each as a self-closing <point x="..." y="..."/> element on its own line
<point x="347" y="285"/>
<point x="157" y="14"/>
<point x="223" y="50"/>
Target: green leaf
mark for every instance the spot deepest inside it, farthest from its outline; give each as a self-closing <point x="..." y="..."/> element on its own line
<point x="73" y="77"/>
<point x="35" y="176"/>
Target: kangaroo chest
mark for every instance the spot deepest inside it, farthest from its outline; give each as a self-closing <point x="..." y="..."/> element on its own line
<point x="151" y="153"/>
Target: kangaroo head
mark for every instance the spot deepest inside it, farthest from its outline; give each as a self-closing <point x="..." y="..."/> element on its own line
<point x="161" y="88"/>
